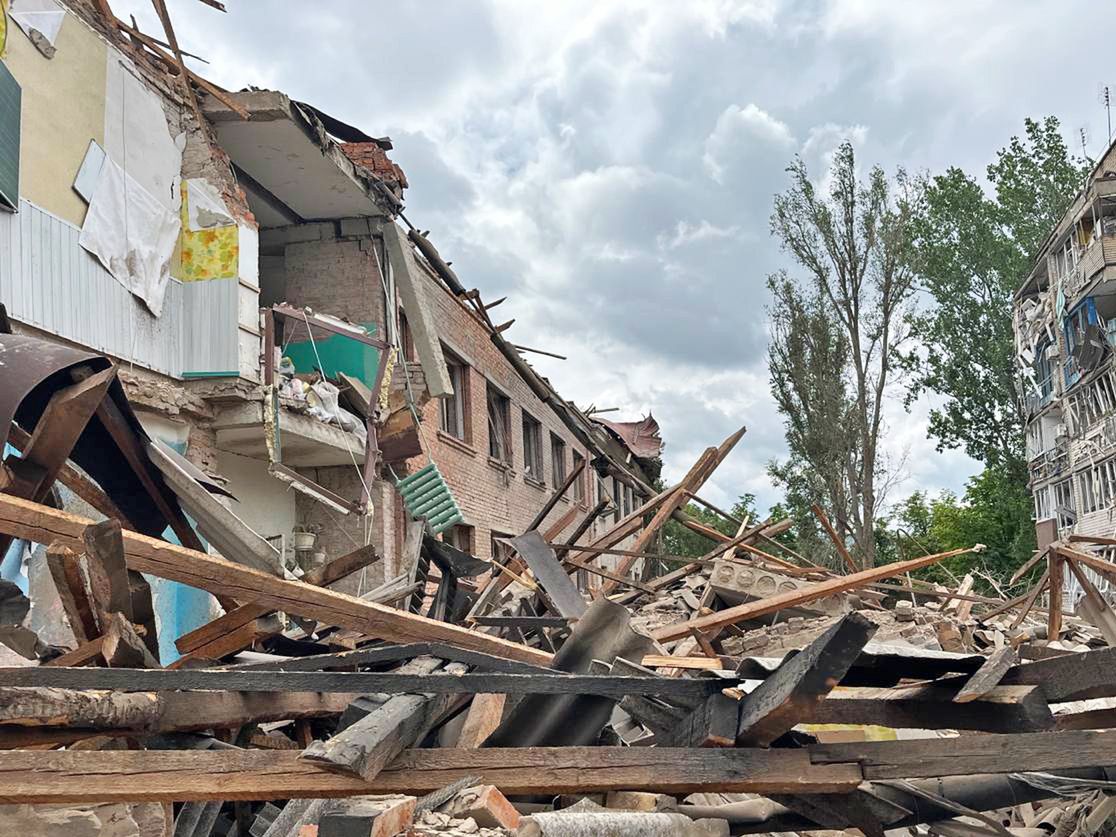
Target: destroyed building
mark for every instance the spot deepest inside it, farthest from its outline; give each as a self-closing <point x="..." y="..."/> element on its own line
<point x="224" y="247"/>
<point x="297" y="544"/>
<point x="1065" y="328"/>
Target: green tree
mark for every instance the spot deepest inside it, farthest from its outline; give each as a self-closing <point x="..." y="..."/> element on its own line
<point x="971" y="252"/>
<point x="851" y="240"/>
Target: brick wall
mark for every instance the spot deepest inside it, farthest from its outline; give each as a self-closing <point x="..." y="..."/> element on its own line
<point x="494" y="498"/>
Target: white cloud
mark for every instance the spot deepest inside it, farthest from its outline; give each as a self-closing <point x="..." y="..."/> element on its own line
<point x="737" y="133"/>
<point x="609" y="166"/>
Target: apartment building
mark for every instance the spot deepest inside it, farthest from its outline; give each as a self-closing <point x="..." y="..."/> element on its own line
<point x="1065" y="330"/>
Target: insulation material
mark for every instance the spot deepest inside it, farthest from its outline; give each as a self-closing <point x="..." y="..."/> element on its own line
<point x="43" y="16"/>
<point x="210" y="244"/>
<point x="136" y="134"/>
<point x="203" y="207"/>
<point x="132" y="234"/>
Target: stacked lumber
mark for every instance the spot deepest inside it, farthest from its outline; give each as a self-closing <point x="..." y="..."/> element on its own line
<point x="551" y="694"/>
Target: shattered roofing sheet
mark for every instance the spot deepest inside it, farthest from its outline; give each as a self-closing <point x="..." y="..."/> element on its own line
<point x="641" y="437"/>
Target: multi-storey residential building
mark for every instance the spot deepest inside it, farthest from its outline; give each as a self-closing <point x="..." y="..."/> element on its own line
<point x="227" y="250"/>
<point x="1065" y="330"/>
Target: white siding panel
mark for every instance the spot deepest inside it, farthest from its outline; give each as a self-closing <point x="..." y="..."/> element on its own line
<point x="48" y="281"/>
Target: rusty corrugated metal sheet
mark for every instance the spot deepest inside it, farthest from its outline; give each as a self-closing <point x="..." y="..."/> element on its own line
<point x="641" y="437"/>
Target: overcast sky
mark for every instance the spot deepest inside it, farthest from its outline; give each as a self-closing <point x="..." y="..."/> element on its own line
<point x="610" y="166"/>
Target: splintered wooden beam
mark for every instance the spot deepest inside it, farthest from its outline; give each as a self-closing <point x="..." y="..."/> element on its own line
<point x="356" y="681"/>
<point x="969" y="754"/>
<point x="29" y="776"/>
<point x="366" y="746"/>
<point x="238" y="617"/>
<point x="42" y="524"/>
<point x="771" y="604"/>
<point x="1069" y="676"/>
<point x="838" y="544"/>
<point x="128" y="713"/>
<point x="791" y="694"/>
<point x="69" y="581"/>
<point x="989" y="675"/>
<point x="1001" y="709"/>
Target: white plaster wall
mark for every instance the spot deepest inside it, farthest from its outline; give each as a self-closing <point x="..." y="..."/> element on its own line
<point x="266" y="504"/>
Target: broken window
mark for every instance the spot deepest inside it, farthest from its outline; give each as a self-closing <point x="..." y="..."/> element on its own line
<point x="501" y="552"/>
<point x="499" y="425"/>
<point x="627" y="489"/>
<point x="579" y="483"/>
<point x="459" y="537"/>
<point x="1087" y="484"/>
<point x="455" y="407"/>
<point x="1043" y="509"/>
<point x="617" y="500"/>
<point x="1065" y="508"/>
<point x="532" y="449"/>
<point x="557" y="461"/>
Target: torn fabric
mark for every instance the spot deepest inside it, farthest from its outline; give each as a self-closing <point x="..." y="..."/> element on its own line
<point x="44" y="16"/>
<point x="132" y="234"/>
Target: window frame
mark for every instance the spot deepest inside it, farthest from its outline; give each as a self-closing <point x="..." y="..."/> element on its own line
<point x="496" y="399"/>
<point x="579" y="483"/>
<point x="456" y="406"/>
<point x="558" y="470"/>
<point x="532" y="449"/>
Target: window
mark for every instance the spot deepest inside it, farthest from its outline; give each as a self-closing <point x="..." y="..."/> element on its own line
<point x="10" y="95"/>
<point x="1064" y="507"/>
<point x="455" y="408"/>
<point x="1042" y="504"/>
<point x="459" y="537"/>
<point x="627" y="489"/>
<point x="557" y="461"/>
<point x="1086" y="484"/>
<point x="579" y="483"/>
<point x="1044" y="375"/>
<point x="406" y="341"/>
<point x="532" y="449"/>
<point x="1075" y="326"/>
<point x="499" y="426"/>
<point x="501" y="552"/>
<point x="617" y="500"/>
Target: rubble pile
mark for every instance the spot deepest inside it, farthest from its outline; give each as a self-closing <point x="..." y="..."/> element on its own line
<point x="547" y="692"/>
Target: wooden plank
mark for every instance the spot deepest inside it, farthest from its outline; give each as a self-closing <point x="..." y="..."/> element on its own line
<point x="104" y="546"/>
<point x="1001" y="709"/>
<point x="330" y="573"/>
<point x="989" y="675"/>
<point x="558" y="494"/>
<point x="54" y="777"/>
<point x="792" y="692"/>
<point x="694" y="663"/>
<point x="42" y="524"/>
<point x="838" y="544"/>
<point x="484" y="715"/>
<point x="554" y="580"/>
<point x="65" y="570"/>
<point x="230" y="643"/>
<point x="365" y="747"/>
<point x="85" y="653"/>
<point x="1029" y="599"/>
<point x="1070" y="676"/>
<point x="154" y="680"/>
<point x="821" y="589"/>
<point x="123" y="647"/>
<point x="1056" y="569"/>
<point x="969" y="754"/>
<point x="392" y="653"/>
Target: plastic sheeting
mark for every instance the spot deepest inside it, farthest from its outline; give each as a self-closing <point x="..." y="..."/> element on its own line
<point x="46" y="16"/>
<point x="132" y="234"/>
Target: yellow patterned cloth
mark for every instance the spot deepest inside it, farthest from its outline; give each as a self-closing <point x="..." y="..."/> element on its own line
<point x="3" y="26"/>
<point x="205" y="254"/>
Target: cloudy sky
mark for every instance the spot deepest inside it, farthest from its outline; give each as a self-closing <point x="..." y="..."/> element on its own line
<point x="610" y="166"/>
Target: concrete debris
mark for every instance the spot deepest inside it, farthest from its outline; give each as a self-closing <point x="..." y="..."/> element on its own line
<point x="305" y="547"/>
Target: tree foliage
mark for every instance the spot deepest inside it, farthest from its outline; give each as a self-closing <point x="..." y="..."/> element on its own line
<point x="992" y="512"/>
<point x="678" y="540"/>
<point x="837" y="335"/>
<point x="971" y="252"/>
